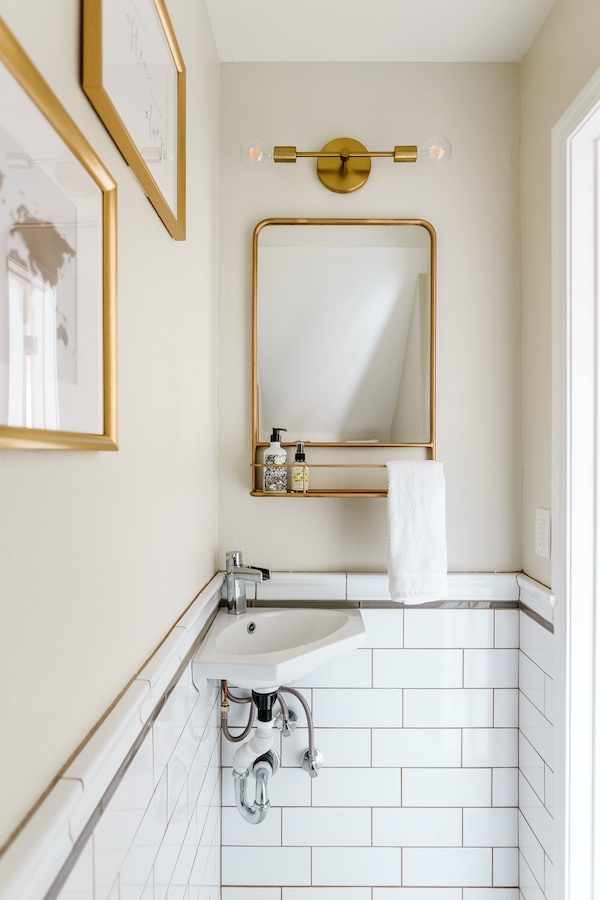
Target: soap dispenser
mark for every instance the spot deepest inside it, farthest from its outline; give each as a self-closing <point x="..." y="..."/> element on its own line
<point x="276" y="461"/>
<point x="300" y="471"/>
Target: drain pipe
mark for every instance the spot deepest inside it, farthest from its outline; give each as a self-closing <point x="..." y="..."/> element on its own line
<point x="256" y="756"/>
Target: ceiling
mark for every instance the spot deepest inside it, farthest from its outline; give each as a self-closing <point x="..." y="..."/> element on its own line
<point x="375" y="30"/>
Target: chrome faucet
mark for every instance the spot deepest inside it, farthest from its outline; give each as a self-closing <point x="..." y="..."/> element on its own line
<point x="237" y="574"/>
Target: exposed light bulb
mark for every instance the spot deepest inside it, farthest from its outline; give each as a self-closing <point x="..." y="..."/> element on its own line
<point x="255" y="153"/>
<point x="437" y="149"/>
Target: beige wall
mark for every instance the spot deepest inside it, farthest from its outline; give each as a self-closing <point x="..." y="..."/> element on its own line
<point x="101" y="552"/>
<point x="564" y="56"/>
<point x="473" y="205"/>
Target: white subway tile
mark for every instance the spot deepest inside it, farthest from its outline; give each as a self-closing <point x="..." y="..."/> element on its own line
<point x="339" y="746"/>
<point x="531" y="765"/>
<point x="531" y="681"/>
<point x="528" y="886"/>
<point x="505" y="787"/>
<point x="495" y="893"/>
<point x="549" y="790"/>
<point x="531" y="849"/>
<point x="492" y="827"/>
<point x="446" y="867"/>
<point x="549" y="880"/>
<point x="491" y="668"/>
<point x="549" y="699"/>
<point x="139" y="861"/>
<point x="303" y="586"/>
<point x="537" y="729"/>
<point x="367" y="866"/>
<point x="164" y="864"/>
<point x="323" y="827"/>
<point x="357" y="708"/>
<point x="385" y="627"/>
<point x="449" y="628"/>
<point x="417" y="893"/>
<point x="351" y="670"/>
<point x="417" y="827"/>
<point x="326" y="893"/>
<point x="268" y="866"/>
<point x="506" y="866"/>
<point x="446" y="787"/>
<point x="447" y="708"/>
<point x="418" y="747"/>
<point x="246" y="893"/>
<point x="356" y="787"/>
<point x="113" y="837"/>
<point x="237" y="832"/>
<point x="417" y="668"/>
<point x="168" y="727"/>
<point x="490" y="747"/>
<point x="537" y="642"/>
<point x="537" y="816"/>
<point x="506" y="628"/>
<point x="506" y="708"/>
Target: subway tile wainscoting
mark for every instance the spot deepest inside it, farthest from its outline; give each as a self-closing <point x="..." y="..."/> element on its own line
<point x="418" y="798"/>
<point x="419" y="795"/>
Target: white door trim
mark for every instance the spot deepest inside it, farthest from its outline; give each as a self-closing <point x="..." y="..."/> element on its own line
<point x="575" y="238"/>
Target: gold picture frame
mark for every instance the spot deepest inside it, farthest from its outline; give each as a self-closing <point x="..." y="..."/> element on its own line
<point x="135" y="77"/>
<point x="58" y="271"/>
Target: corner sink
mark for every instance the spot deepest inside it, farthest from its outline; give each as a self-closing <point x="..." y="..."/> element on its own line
<point x="263" y="649"/>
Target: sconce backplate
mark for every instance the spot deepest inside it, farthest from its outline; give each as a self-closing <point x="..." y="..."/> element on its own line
<point x="340" y="175"/>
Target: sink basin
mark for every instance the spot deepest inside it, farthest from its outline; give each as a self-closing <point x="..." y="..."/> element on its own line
<point x="265" y="648"/>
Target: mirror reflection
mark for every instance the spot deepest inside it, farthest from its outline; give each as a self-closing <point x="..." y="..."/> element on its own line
<point x="343" y="330"/>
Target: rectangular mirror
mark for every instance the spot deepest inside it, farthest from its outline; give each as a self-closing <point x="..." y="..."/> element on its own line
<point x="344" y="332"/>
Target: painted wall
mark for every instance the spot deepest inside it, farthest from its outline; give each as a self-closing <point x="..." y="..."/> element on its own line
<point x="110" y="548"/>
<point x="474" y="206"/>
<point x="562" y="59"/>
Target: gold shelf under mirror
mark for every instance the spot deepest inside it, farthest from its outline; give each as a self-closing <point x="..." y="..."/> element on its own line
<point x="322" y="491"/>
<point x="366" y="286"/>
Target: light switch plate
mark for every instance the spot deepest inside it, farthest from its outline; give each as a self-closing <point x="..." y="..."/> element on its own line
<point x="542" y="533"/>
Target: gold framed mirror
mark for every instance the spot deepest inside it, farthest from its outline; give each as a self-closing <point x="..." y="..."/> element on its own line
<point x="343" y="347"/>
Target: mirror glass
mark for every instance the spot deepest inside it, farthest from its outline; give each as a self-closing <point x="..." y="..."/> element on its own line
<point x="343" y="330"/>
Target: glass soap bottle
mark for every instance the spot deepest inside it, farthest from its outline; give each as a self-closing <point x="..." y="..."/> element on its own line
<point x="276" y="464"/>
<point x="300" y="472"/>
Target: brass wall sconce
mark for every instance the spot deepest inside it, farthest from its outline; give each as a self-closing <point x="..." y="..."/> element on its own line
<point x="344" y="164"/>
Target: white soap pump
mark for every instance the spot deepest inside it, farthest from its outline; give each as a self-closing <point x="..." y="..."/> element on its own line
<point x="276" y="464"/>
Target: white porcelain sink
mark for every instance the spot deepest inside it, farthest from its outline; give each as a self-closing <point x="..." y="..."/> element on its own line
<point x="265" y="648"/>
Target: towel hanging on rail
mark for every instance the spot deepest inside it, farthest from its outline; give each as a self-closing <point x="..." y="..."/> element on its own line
<point x="417" y="557"/>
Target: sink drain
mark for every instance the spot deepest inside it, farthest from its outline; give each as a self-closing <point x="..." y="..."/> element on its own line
<point x="251" y="627"/>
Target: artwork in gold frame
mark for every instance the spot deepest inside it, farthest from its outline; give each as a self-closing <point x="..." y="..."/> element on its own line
<point x="134" y="75"/>
<point x="57" y="271"/>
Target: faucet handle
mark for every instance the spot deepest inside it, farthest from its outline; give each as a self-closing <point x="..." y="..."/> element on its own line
<point x="233" y="558"/>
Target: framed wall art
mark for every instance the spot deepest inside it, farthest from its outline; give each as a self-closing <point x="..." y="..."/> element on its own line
<point x="57" y="271"/>
<point x="134" y="75"/>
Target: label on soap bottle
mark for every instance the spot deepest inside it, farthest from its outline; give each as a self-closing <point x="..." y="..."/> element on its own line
<point x="300" y="479"/>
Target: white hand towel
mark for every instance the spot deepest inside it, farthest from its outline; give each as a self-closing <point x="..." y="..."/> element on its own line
<point x="417" y="560"/>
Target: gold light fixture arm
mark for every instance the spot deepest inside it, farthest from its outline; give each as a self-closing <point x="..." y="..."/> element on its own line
<point x="343" y="165"/>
